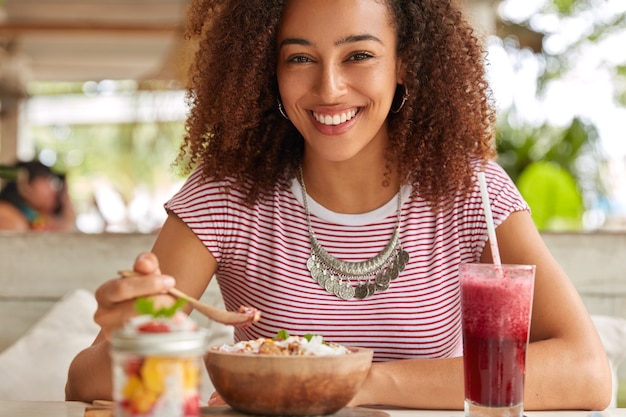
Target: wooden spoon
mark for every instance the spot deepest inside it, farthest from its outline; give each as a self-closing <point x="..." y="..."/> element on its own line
<point x="244" y="317"/>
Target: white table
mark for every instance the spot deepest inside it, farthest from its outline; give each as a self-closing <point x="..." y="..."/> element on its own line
<point x="76" y="409"/>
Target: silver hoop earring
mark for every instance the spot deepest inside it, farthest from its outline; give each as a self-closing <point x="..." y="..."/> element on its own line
<point x="281" y="110"/>
<point x="405" y="97"/>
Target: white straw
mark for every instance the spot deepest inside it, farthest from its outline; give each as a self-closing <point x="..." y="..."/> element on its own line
<point x="491" y="230"/>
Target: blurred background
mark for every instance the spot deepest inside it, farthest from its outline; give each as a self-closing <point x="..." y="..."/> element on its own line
<point x="95" y="89"/>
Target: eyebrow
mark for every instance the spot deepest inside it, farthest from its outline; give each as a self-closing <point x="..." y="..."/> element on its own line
<point x="358" y="38"/>
<point x="342" y="41"/>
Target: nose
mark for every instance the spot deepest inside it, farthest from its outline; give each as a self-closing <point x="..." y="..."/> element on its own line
<point x="331" y="83"/>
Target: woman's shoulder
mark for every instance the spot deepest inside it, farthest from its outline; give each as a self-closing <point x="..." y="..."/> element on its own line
<point x="490" y="167"/>
<point x="504" y="196"/>
<point x="497" y="178"/>
<point x="11" y="218"/>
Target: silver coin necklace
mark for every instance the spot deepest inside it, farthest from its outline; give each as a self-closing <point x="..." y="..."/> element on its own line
<point x="359" y="280"/>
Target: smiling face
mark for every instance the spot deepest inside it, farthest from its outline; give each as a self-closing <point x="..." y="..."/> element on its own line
<point x="337" y="74"/>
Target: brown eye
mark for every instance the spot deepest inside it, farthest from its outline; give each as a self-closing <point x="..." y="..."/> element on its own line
<point x="361" y="56"/>
<point x="299" y="59"/>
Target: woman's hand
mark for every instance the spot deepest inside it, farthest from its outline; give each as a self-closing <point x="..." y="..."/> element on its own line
<point x="116" y="297"/>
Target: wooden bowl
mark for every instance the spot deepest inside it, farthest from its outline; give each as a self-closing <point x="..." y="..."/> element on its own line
<point x="288" y="385"/>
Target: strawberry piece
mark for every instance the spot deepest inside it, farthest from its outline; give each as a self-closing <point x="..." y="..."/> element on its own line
<point x="133" y="366"/>
<point x="192" y="406"/>
<point x="154" y="327"/>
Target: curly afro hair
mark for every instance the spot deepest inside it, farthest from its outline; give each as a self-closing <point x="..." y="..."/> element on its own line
<point x="235" y="129"/>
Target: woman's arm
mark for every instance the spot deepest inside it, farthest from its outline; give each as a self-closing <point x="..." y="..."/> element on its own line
<point x="177" y="252"/>
<point x="566" y="367"/>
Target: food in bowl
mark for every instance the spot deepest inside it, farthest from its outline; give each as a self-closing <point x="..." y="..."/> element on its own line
<point x="289" y="380"/>
<point x="285" y="344"/>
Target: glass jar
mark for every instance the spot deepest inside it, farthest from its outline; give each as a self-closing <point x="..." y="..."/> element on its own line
<point x="157" y="374"/>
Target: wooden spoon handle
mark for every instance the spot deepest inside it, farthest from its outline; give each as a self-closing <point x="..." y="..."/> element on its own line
<point x="244" y="317"/>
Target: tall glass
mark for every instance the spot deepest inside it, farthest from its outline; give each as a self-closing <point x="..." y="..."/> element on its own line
<point x="496" y="304"/>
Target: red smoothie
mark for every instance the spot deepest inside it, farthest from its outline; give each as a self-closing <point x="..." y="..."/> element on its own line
<point x="496" y="317"/>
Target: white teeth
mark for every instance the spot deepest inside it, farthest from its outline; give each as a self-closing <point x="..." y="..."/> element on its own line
<point x="335" y="119"/>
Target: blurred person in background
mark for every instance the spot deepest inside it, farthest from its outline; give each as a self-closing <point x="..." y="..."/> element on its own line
<point x="35" y="198"/>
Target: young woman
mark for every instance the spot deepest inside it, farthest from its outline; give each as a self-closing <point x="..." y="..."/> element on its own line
<point x="343" y="138"/>
<point x="36" y="200"/>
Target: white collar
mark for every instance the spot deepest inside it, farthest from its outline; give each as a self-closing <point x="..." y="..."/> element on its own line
<point x="374" y="216"/>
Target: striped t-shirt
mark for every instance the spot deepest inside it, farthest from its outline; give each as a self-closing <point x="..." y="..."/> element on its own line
<point x="262" y="253"/>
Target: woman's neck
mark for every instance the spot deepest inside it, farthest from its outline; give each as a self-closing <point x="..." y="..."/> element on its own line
<point x="348" y="187"/>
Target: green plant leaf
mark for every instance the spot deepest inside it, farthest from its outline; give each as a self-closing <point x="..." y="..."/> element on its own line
<point x="144" y="305"/>
<point x="565" y="7"/>
<point x="281" y="335"/>
<point x="553" y="196"/>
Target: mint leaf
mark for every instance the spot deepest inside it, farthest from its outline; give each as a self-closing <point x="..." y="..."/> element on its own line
<point x="144" y="305"/>
<point x="282" y="335"/>
<point x="171" y="310"/>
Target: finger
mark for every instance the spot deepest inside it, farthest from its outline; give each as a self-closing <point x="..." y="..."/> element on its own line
<point x="122" y="289"/>
<point x="147" y="263"/>
<point x="112" y="319"/>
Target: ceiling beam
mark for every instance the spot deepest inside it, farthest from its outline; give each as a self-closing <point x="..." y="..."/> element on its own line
<point x="30" y="28"/>
<point x="94" y="11"/>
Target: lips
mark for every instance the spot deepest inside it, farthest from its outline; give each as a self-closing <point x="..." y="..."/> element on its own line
<point x="335" y="118"/>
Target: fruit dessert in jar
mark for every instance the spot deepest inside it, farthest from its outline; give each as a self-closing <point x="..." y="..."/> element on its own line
<point x="157" y="364"/>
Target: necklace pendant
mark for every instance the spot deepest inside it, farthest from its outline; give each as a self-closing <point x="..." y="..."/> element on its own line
<point x="318" y="273"/>
<point x="382" y="280"/>
<point x="382" y="287"/>
<point x="346" y="291"/>
<point x="338" y="288"/>
<point x="401" y="260"/>
<point x="361" y="291"/>
<point x="393" y="271"/>
<point x="371" y="288"/>
<point x="322" y="276"/>
<point x="329" y="285"/>
<point x="311" y="263"/>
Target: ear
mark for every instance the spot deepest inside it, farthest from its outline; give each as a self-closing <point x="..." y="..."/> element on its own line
<point x="400" y="71"/>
